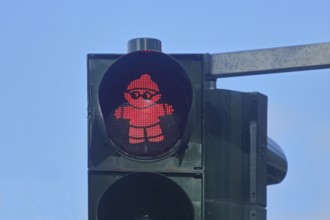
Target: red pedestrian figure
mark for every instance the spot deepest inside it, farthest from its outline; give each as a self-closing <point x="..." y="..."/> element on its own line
<point x="143" y="111"/>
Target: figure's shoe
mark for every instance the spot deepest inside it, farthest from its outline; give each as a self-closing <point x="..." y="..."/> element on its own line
<point x="156" y="139"/>
<point x="136" y="140"/>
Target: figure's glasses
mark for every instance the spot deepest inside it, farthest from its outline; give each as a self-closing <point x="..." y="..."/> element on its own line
<point x="145" y="95"/>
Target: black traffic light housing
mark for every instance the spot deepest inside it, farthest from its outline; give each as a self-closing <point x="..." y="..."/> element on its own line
<point x="235" y="145"/>
<point x="162" y="178"/>
<point x="164" y="145"/>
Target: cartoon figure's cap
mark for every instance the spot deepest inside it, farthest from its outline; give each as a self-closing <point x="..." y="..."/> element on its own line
<point x="144" y="82"/>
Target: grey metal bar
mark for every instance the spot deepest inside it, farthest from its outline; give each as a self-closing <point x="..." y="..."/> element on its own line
<point x="272" y="60"/>
<point x="253" y="162"/>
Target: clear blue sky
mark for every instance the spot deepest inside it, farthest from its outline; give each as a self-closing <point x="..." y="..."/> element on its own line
<point x="43" y="114"/>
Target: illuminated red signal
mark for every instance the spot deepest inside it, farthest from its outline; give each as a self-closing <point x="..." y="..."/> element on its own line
<point x="144" y="111"/>
<point x="145" y="99"/>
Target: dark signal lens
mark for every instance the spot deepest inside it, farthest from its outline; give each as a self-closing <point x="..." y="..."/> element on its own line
<point x="145" y="196"/>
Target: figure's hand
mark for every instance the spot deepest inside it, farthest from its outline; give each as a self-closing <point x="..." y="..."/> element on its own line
<point x="118" y="113"/>
<point x="169" y="109"/>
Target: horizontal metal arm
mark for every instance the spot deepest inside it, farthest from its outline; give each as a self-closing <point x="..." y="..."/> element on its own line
<point x="273" y="60"/>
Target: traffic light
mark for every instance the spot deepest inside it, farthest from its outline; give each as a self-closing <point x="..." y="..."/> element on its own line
<point x="235" y="148"/>
<point x="145" y="160"/>
<point x="163" y="145"/>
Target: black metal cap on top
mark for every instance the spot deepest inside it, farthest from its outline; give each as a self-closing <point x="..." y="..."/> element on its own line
<point x="144" y="44"/>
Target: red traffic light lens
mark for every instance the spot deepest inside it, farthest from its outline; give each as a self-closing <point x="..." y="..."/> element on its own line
<point x="145" y="99"/>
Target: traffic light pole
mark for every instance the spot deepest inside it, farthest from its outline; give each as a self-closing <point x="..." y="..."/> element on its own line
<point x="273" y="60"/>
